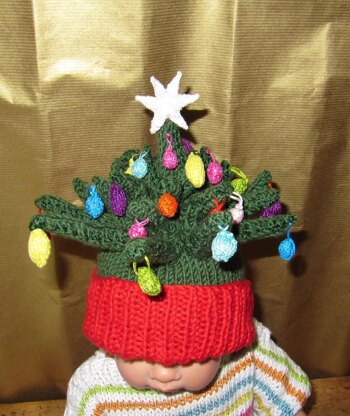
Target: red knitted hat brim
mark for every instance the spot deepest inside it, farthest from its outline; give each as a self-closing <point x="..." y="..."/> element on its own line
<point x="183" y="324"/>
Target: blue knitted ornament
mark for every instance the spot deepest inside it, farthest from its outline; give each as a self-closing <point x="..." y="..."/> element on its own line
<point x="286" y="248"/>
<point x="94" y="205"/>
<point x="224" y="245"/>
<point x="139" y="168"/>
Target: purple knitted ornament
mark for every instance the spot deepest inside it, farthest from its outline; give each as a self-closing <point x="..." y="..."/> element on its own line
<point x="170" y="160"/>
<point x="138" y="229"/>
<point x="186" y="144"/>
<point x="118" y="199"/>
<point x="214" y="170"/>
<point x="274" y="209"/>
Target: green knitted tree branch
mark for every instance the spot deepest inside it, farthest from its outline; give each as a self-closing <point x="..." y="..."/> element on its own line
<point x="227" y="172"/>
<point x="143" y="209"/>
<point x="199" y="205"/>
<point x="81" y="188"/>
<point x="149" y="185"/>
<point x="170" y="127"/>
<point x="205" y="156"/>
<point x="190" y="231"/>
<point x="259" y="195"/>
<point x="263" y="179"/>
<point x="121" y="163"/>
<point x="262" y="198"/>
<point x="133" y="187"/>
<point x="165" y="180"/>
<point x="103" y="186"/>
<point x="57" y="207"/>
<point x="61" y="207"/>
<point x="175" y="181"/>
<point x="226" y="167"/>
<point x="158" y="251"/>
<point x="265" y="227"/>
<point x="197" y="241"/>
<point x="103" y="238"/>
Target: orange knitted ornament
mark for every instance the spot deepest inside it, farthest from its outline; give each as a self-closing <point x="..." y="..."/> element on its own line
<point x="167" y="205"/>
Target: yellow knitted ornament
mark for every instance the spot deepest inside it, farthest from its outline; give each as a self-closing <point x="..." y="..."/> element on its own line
<point x="131" y="162"/>
<point x="194" y="169"/>
<point x="39" y="247"/>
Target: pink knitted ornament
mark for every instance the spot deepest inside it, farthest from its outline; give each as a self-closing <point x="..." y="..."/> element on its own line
<point x="214" y="170"/>
<point x="170" y="160"/>
<point x="138" y="229"/>
<point x="237" y="212"/>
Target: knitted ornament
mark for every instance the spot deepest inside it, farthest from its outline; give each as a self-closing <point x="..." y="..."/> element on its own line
<point x="241" y="183"/>
<point x="131" y="162"/>
<point x="139" y="168"/>
<point x="167" y="205"/>
<point x="148" y="281"/>
<point x="187" y="145"/>
<point x="194" y="169"/>
<point x="39" y="247"/>
<point x="118" y="199"/>
<point x="170" y="160"/>
<point x="274" y="209"/>
<point x="189" y="306"/>
<point x="214" y="170"/>
<point x="218" y="206"/>
<point x="138" y="229"/>
<point x="237" y="212"/>
<point x="224" y="245"/>
<point x="286" y="248"/>
<point x="94" y="205"/>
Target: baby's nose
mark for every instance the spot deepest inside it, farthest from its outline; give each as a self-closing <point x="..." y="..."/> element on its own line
<point x="164" y="374"/>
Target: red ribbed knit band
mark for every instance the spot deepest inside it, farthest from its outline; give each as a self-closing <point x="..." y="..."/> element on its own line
<point x="183" y="324"/>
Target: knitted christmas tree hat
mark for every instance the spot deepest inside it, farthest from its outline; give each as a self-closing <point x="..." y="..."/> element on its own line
<point x="169" y="286"/>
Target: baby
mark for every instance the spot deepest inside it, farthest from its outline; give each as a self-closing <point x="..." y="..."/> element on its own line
<point x="260" y="379"/>
<point x="168" y="305"/>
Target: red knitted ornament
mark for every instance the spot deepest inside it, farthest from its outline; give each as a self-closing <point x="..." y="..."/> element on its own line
<point x="167" y="205"/>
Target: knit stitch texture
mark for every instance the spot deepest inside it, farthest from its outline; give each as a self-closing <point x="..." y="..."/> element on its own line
<point x="184" y="323"/>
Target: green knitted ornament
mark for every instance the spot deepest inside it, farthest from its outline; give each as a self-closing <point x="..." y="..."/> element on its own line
<point x="239" y="184"/>
<point x="148" y="281"/>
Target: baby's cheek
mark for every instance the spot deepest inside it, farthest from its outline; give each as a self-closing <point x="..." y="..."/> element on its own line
<point x="197" y="379"/>
<point x="133" y="373"/>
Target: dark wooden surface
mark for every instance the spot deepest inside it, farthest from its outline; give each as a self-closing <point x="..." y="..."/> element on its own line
<point x="330" y="397"/>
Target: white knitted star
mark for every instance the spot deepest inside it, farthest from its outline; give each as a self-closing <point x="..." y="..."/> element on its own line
<point x="167" y="103"/>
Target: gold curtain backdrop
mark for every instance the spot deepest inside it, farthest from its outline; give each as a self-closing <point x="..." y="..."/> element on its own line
<point x="274" y="80"/>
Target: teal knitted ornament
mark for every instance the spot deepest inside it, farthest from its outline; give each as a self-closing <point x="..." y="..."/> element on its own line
<point x="139" y="168"/>
<point x="224" y="245"/>
<point x="286" y="248"/>
<point x="94" y="205"/>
